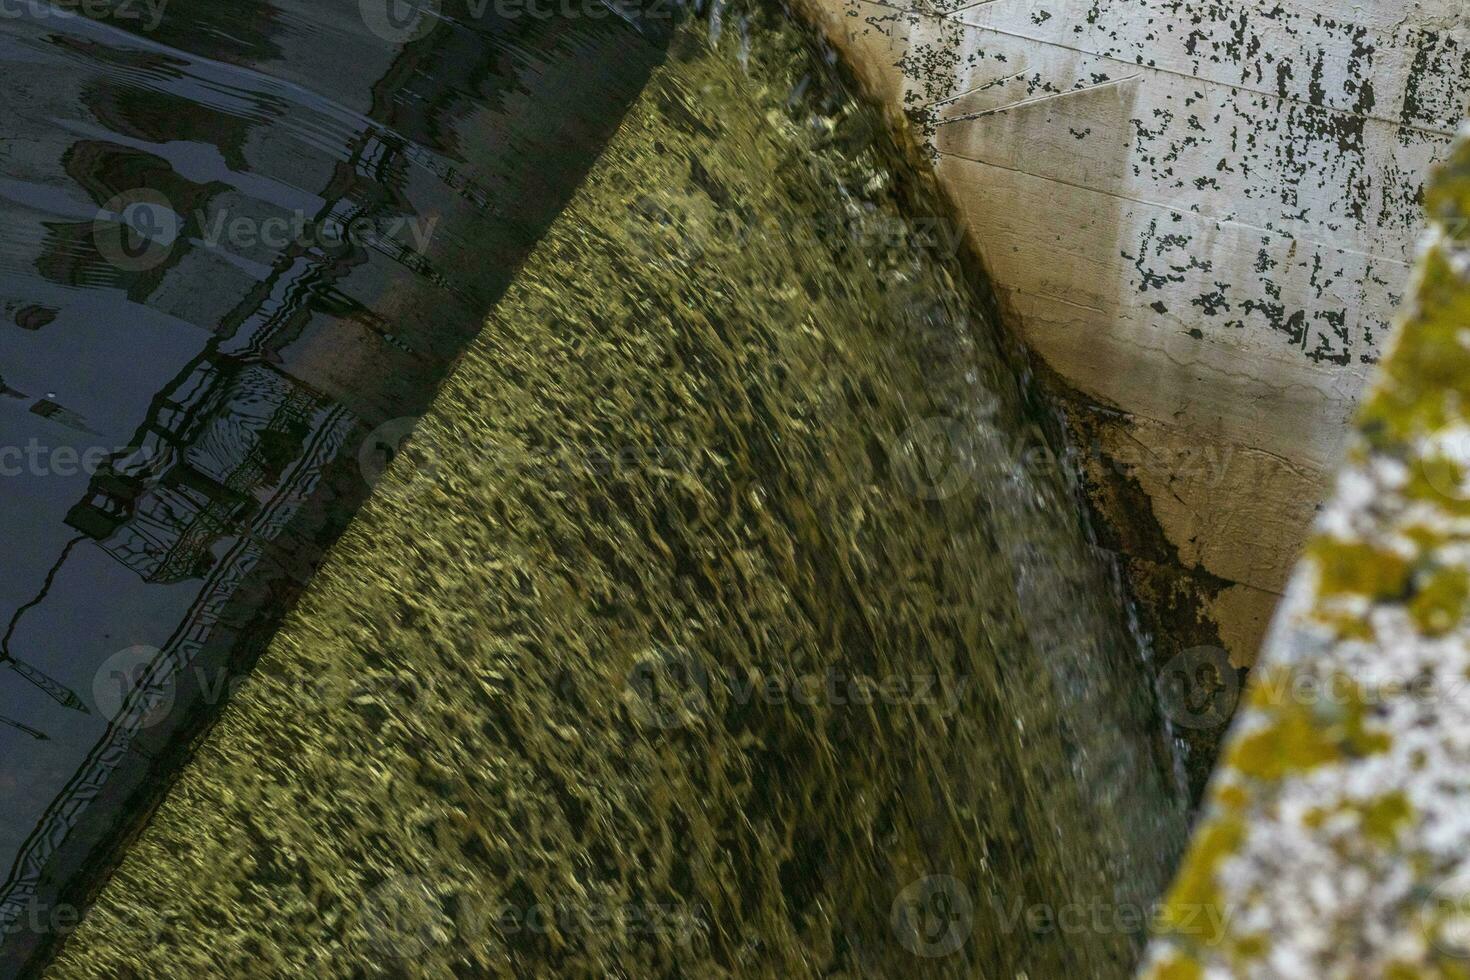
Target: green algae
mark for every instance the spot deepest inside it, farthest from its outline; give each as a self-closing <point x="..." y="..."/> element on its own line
<point x="512" y="728"/>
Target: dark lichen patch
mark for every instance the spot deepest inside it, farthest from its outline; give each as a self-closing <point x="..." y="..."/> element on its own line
<point x="1171" y="598"/>
<point x="1434" y="95"/>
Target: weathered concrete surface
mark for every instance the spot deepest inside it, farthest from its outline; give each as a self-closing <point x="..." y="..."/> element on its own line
<point x="1336" y="841"/>
<point x="1201" y="215"/>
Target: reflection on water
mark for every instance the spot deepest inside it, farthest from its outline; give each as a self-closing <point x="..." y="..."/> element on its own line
<point x="234" y="239"/>
<point x="726" y="615"/>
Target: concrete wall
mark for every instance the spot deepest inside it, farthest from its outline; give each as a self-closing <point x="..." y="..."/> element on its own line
<point x="1334" y="842"/>
<point x="1200" y="215"/>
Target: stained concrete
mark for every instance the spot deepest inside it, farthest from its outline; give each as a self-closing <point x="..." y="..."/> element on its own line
<point x="1200" y="216"/>
<point x="1335" y="839"/>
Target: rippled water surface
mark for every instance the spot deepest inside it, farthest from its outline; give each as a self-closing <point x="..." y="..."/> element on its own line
<point x="235" y="238"/>
<point x="725" y="614"/>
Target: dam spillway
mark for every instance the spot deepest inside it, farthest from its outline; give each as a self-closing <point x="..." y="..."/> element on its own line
<point x="734" y="577"/>
<point x="722" y="588"/>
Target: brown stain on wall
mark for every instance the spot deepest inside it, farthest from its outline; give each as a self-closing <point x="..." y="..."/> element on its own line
<point x="1173" y="600"/>
<point x="1197" y="217"/>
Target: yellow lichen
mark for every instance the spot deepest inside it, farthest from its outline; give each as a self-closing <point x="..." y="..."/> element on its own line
<point x="1385" y="816"/>
<point x="1177" y="967"/>
<point x="1424" y="539"/>
<point x="1291" y="744"/>
<point x="1355" y="568"/>
<point x="1298" y="737"/>
<point x="1439" y="604"/>
<point x="1251" y="947"/>
<point x="1429" y="370"/>
<point x="1380" y="818"/>
<point x="1193" y="908"/>
<point x="1347" y="626"/>
<point x="1232" y="796"/>
<point x="1439" y="480"/>
<point x="1424" y="389"/>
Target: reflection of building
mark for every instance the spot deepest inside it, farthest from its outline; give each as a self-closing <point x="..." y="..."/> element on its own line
<point x="299" y="348"/>
<point x="222" y="453"/>
<point x="224" y="435"/>
<point x="203" y="464"/>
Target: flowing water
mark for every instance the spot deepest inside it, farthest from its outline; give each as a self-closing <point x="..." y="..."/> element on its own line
<point x="726" y="613"/>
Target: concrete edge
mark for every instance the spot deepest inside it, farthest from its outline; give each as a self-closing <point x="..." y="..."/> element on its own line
<point x="1335" y="840"/>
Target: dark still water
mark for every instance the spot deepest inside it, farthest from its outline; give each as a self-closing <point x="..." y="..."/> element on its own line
<point x="235" y="238"/>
